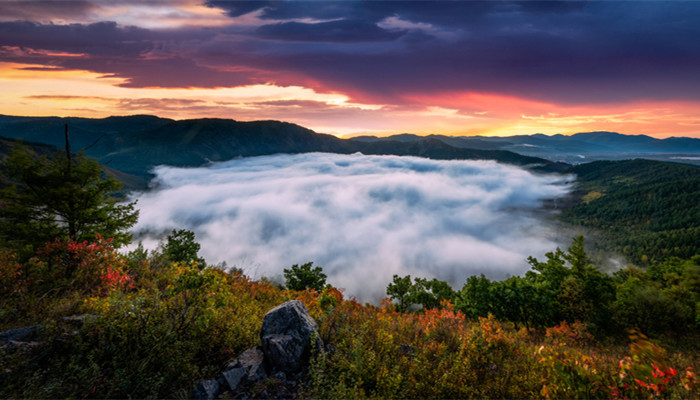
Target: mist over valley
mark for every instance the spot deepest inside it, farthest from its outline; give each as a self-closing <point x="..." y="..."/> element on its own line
<point x="362" y="218"/>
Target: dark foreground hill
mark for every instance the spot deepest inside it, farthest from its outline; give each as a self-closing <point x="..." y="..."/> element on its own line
<point x="131" y="182"/>
<point x="135" y="144"/>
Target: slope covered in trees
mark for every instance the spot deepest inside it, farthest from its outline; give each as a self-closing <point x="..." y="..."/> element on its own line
<point x="7" y="145"/>
<point x="646" y="210"/>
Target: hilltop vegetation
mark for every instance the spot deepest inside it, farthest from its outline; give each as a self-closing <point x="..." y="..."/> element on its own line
<point x="152" y="326"/>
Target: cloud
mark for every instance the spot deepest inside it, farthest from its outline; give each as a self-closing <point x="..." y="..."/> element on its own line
<point x="567" y="52"/>
<point x="342" y="31"/>
<point x="362" y="218"/>
<point x="44" y="11"/>
<point x="381" y="52"/>
<point x="575" y="58"/>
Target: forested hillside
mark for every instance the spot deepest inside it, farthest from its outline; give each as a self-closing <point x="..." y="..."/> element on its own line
<point x="7" y="145"/>
<point x="646" y="210"/>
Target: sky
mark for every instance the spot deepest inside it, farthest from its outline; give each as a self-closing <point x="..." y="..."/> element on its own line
<point x="354" y="67"/>
<point x="361" y="218"/>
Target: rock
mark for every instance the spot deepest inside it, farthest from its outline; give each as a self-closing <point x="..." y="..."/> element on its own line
<point x="13" y="344"/>
<point x="208" y="389"/>
<point x="79" y="320"/>
<point x="289" y="335"/>
<point x="19" y="334"/>
<point x="253" y="361"/>
<point x="233" y="377"/>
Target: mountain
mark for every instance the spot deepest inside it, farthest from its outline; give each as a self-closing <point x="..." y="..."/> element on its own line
<point x="136" y="144"/>
<point x="576" y="148"/>
<point x="434" y="148"/>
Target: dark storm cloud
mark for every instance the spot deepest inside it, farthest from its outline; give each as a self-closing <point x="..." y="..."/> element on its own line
<point x="568" y="52"/>
<point x="30" y="10"/>
<point x="565" y="52"/>
<point x="343" y="31"/>
<point x="145" y="58"/>
<point x="169" y="71"/>
<point x="450" y="13"/>
<point x="102" y="38"/>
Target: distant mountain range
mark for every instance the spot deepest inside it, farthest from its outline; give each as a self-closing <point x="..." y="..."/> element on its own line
<point x="133" y="145"/>
<point x="136" y="144"/>
<point x="577" y="148"/>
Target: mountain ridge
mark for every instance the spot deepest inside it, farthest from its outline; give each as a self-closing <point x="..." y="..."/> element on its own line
<point x="136" y="144"/>
<point x="573" y="149"/>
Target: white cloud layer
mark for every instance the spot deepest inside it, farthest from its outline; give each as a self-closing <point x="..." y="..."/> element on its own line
<point x="362" y="218"/>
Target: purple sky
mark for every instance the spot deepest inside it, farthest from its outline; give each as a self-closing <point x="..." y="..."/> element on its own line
<point x="352" y="67"/>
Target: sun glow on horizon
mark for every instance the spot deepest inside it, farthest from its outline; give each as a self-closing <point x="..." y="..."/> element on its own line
<point x="36" y="90"/>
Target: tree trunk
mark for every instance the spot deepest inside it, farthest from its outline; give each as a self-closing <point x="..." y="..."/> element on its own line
<point x="71" y="202"/>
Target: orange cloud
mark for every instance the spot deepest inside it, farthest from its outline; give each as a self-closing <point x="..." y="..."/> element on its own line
<point x="37" y="90"/>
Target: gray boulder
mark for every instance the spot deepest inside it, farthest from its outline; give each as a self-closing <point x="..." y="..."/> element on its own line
<point x="289" y="336"/>
<point x="209" y="389"/>
<point x="19" y="334"/>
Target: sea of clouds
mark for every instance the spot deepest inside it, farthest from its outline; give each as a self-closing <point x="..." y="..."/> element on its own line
<point x="362" y="218"/>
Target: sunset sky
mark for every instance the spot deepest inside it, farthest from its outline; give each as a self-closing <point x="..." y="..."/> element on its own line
<point x="351" y="67"/>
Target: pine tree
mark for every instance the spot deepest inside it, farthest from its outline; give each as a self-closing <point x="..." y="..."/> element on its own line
<point x="64" y="196"/>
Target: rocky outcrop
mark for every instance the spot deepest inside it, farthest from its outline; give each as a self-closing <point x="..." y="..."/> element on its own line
<point x="22" y="338"/>
<point x="289" y="338"/>
<point x="19" y="338"/>
<point x="19" y="334"/>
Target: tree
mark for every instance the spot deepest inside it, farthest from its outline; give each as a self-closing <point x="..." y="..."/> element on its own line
<point x="578" y="291"/>
<point x="431" y="293"/>
<point x="181" y="247"/>
<point x="475" y="299"/>
<point x="62" y="196"/>
<point x="400" y="289"/>
<point x="305" y="277"/>
<point x="428" y="293"/>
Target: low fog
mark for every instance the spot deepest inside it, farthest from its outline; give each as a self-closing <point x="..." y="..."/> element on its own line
<point x="362" y="218"/>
